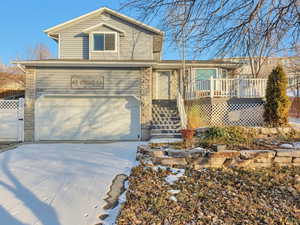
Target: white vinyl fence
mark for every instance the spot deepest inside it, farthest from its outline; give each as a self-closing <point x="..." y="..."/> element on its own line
<point x="12" y="120"/>
<point x="217" y="87"/>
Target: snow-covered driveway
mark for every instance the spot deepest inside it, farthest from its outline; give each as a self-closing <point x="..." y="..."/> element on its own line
<point x="60" y="184"/>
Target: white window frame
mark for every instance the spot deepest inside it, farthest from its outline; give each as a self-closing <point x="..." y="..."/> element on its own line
<point x="103" y="32"/>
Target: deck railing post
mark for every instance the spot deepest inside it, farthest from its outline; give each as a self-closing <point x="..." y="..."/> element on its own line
<point x="211" y="87"/>
<point x="238" y="87"/>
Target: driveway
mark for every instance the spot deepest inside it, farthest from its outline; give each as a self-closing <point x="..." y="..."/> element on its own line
<point x="60" y="184"/>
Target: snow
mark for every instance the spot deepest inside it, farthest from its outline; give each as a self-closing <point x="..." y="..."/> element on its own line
<point x="174" y="191"/>
<point x="60" y="184"/>
<point x="286" y="146"/>
<point x="165" y="140"/>
<point x="176" y="174"/>
<point x="294" y="145"/>
<point x="113" y="213"/>
<point x="173" y="198"/>
<point x="294" y="122"/>
<point x="292" y="93"/>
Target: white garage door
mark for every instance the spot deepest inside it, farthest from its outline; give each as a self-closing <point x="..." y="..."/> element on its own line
<point x="87" y="118"/>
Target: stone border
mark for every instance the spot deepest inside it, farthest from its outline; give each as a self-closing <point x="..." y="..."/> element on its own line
<point x="201" y="158"/>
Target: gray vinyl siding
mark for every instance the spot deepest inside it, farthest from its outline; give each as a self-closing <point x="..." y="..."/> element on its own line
<point x="116" y="81"/>
<point x="137" y="43"/>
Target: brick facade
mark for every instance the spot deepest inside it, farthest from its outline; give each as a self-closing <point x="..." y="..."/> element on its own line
<point x="174" y="84"/>
<point x="146" y="102"/>
<point x="30" y="95"/>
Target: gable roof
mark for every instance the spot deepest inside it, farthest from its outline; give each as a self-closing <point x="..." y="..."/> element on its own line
<point x="53" y="30"/>
<point x="92" y="28"/>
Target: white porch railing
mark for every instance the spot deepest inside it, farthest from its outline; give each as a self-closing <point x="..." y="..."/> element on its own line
<point x="181" y="110"/>
<point x="217" y="87"/>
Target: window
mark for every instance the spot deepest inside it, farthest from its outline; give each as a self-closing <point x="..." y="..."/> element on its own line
<point x="202" y="77"/>
<point x="104" y="41"/>
<point x="205" y="74"/>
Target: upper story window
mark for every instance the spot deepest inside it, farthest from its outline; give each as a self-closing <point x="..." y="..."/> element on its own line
<point x="104" y="41"/>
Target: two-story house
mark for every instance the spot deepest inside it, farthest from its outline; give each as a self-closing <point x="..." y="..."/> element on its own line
<point x="108" y="83"/>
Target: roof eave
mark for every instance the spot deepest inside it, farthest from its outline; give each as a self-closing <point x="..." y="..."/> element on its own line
<point x="53" y="30"/>
<point x="41" y="63"/>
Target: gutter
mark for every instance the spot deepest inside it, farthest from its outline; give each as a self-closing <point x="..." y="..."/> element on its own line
<point x="83" y="64"/>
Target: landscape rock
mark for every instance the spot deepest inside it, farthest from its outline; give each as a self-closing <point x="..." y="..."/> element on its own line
<point x="167" y="161"/>
<point x="220" y="148"/>
<point x="157" y="153"/>
<point x="296" y="160"/>
<point x="288" y="153"/>
<point x="225" y="154"/>
<point x="176" y="153"/>
<point x="260" y="165"/>
<point x="262" y="160"/>
<point x="197" y="152"/>
<point x="245" y="154"/>
<point x="282" y="159"/>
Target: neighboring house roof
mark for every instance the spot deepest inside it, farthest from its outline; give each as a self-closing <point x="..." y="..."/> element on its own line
<point x="53" y="30"/>
<point x="127" y="63"/>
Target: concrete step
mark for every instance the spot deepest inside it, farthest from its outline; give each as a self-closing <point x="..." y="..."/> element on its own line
<point x="177" y="135"/>
<point x="165" y="131"/>
<point x="164" y="119"/>
<point x="167" y="127"/>
<point x="166" y="114"/>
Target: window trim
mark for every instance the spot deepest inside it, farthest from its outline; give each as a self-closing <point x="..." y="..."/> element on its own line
<point x="103" y="32"/>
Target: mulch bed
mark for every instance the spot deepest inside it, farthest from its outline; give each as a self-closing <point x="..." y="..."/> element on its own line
<point x="221" y="196"/>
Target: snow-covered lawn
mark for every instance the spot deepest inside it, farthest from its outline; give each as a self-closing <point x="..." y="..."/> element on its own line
<point x="60" y="184"/>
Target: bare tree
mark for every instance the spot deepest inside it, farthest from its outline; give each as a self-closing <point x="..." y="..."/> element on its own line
<point x="226" y="27"/>
<point x="38" y="52"/>
<point x="12" y="80"/>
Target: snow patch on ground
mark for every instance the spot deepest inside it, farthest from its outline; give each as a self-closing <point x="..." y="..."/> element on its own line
<point x="173" y="192"/>
<point x="60" y="184"/>
<point x="176" y="174"/>
<point x="173" y="198"/>
<point x="113" y="213"/>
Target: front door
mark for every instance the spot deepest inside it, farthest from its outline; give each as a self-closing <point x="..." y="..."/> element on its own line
<point x="163" y="84"/>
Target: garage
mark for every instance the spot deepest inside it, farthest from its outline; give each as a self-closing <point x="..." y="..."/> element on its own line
<point x="87" y="118"/>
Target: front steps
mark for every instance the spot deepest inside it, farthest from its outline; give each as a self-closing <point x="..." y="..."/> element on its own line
<point x="165" y="119"/>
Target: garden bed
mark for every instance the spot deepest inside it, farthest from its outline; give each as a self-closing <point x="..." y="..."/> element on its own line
<point x="164" y="196"/>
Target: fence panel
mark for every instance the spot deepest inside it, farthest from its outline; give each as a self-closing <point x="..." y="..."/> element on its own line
<point x="12" y="120"/>
<point x="227" y="114"/>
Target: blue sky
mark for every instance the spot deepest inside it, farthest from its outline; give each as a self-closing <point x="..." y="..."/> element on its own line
<point x="23" y="23"/>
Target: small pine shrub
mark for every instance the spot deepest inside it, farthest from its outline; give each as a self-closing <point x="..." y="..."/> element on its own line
<point x="277" y="102"/>
<point x="227" y="135"/>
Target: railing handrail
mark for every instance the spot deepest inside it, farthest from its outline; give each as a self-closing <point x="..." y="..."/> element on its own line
<point x="181" y="110"/>
<point x="228" y="87"/>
